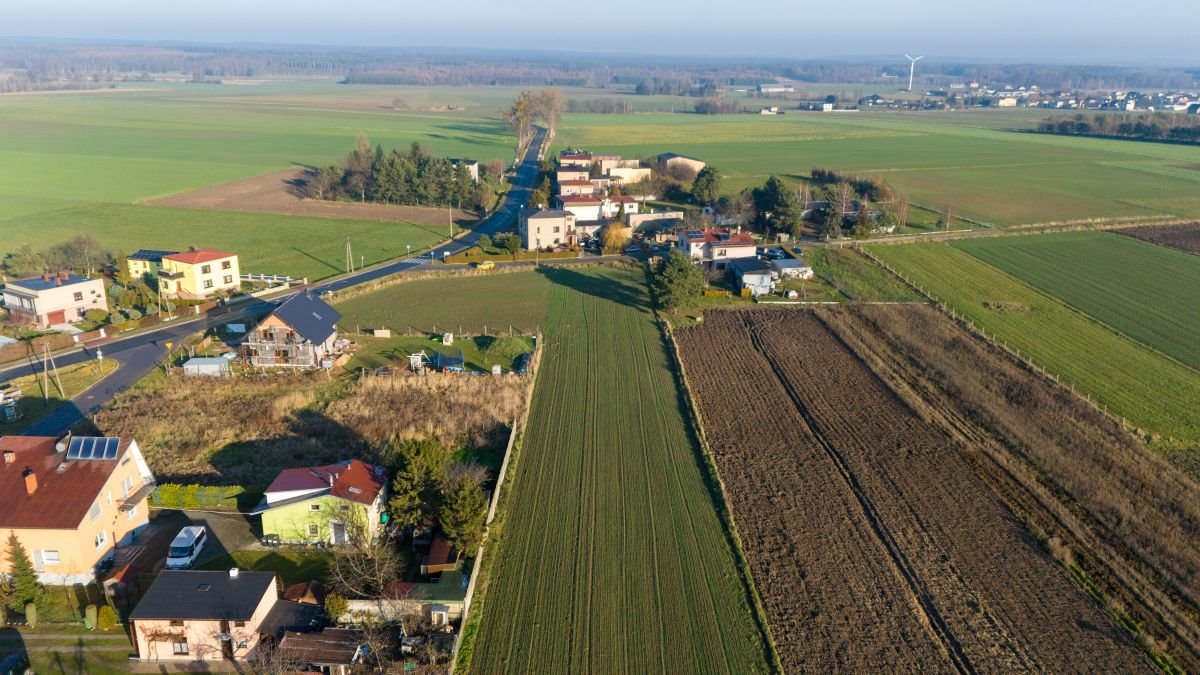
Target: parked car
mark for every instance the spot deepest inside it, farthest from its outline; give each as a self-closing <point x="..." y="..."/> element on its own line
<point x="186" y="547"/>
<point x="485" y="265"/>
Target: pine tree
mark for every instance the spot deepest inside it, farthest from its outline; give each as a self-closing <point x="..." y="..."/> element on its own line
<point x="463" y="514"/>
<point x="23" y="583"/>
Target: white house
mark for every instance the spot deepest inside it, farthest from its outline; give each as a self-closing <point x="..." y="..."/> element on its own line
<point x="753" y="274"/>
<point x="716" y="246"/>
<point x="792" y="268"/>
<point x="53" y="299"/>
<point x="541" y="228"/>
<point x="591" y="207"/>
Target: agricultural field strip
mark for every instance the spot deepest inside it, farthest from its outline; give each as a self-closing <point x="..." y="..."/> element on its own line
<point x="827" y="586"/>
<point x="584" y="525"/>
<point x="1001" y="597"/>
<point x="1155" y="302"/>
<point x="1126" y="517"/>
<point x="1133" y="381"/>
<point x="1182" y="237"/>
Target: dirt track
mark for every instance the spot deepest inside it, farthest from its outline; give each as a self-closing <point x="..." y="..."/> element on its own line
<point x="276" y="193"/>
<point x="872" y="540"/>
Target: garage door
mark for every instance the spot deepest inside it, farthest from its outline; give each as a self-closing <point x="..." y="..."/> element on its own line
<point x="57" y="317"/>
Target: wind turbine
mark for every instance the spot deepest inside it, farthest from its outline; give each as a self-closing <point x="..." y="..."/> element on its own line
<point x="912" y="68"/>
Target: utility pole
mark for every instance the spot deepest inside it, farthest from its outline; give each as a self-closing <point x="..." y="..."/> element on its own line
<point x="349" y="257"/>
<point x="47" y="365"/>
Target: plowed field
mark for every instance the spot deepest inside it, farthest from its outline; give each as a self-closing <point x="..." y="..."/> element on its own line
<point x="874" y="543"/>
<point x="1183" y="237"/>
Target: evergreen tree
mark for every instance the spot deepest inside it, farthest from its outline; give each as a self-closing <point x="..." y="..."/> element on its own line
<point x="463" y="513"/>
<point x="416" y="489"/>
<point x="677" y="280"/>
<point x="707" y="186"/>
<point x="23" y="586"/>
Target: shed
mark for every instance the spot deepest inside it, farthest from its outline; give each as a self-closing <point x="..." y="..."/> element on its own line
<point x="213" y="366"/>
<point x="753" y="274"/>
<point x="792" y="268"/>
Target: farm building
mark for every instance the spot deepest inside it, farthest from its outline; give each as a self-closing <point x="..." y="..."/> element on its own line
<point x="670" y="160"/>
<point x="300" y="333"/>
<point x="145" y="262"/>
<point x="753" y="274"/>
<point x="53" y="299"/>
<point x="211" y="366"/>
<point x="792" y="268"/>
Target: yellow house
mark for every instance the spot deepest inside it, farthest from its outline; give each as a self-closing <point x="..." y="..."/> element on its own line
<point x="198" y="273"/>
<point x="144" y="263"/>
<point x="71" y="501"/>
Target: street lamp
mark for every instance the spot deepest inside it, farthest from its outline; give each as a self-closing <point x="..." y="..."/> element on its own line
<point x="100" y="359"/>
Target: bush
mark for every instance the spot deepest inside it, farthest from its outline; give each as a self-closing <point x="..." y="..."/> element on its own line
<point x="336" y="606"/>
<point x="117" y="318"/>
<point x="96" y="316"/>
<point x="132" y="314"/>
<point x="106" y="619"/>
<point x="89" y="615"/>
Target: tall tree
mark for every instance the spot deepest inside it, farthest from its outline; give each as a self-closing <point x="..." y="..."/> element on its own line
<point x="24" y="262"/>
<point x="677" y="281"/>
<point x="707" y="186"/>
<point x="23" y="586"/>
<point x="464" y="509"/>
<point x="420" y="469"/>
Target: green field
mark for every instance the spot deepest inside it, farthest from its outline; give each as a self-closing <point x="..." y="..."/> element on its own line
<point x="1150" y="293"/>
<point x="856" y="277"/>
<point x="612" y="556"/>
<point x="455" y="304"/>
<point x="971" y="160"/>
<point x="1133" y="381"/>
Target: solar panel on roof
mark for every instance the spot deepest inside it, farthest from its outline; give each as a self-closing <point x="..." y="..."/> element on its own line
<point x="93" y="447"/>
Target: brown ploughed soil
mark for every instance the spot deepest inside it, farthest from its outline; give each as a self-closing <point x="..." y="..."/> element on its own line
<point x="278" y="192"/>
<point x="872" y="539"/>
<point x="1183" y="237"/>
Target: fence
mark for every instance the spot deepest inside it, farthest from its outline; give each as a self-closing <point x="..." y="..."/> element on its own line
<point x="24" y="348"/>
<point x="459" y="331"/>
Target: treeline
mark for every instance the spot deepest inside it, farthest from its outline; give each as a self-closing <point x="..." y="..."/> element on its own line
<point x="604" y="106"/>
<point x="1141" y="126"/>
<point x="81" y="252"/>
<point x="415" y="178"/>
<point x="873" y="188"/>
<point x="717" y="106"/>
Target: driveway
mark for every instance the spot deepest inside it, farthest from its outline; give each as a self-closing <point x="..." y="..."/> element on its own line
<point x="226" y="532"/>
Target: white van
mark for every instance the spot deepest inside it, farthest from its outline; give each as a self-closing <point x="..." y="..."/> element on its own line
<point x="186" y="547"/>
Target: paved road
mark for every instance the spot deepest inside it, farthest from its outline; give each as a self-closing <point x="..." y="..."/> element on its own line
<point x="139" y="354"/>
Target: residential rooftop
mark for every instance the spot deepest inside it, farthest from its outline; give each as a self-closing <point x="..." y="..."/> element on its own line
<point x="196" y="256"/>
<point x="48" y="281"/>
<point x="150" y="255"/>
<point x="353" y="480"/>
<point x="535" y="212"/>
<point x="309" y="316"/>
<point x="204" y="596"/>
<point x="65" y="484"/>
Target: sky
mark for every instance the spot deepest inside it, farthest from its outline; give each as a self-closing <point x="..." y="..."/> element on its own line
<point x="1160" y="32"/>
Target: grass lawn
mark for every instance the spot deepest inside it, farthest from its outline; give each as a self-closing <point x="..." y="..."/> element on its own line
<point x="1148" y="292"/>
<point x="611" y="555"/>
<point x="480" y="352"/>
<point x="857" y="277"/>
<point x="455" y="304"/>
<point x="291" y="566"/>
<point x="37" y="401"/>
<point x="1133" y="381"/>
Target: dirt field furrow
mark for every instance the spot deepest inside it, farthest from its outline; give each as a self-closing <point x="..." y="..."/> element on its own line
<point x="985" y="591"/>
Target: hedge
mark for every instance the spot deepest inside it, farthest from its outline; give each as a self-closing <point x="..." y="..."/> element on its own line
<point x="177" y="496"/>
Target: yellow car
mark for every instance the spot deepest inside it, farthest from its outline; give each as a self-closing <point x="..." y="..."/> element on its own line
<point x="485" y="265"/>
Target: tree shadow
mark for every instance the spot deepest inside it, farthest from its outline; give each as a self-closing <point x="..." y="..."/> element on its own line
<point x="620" y="291"/>
<point x="12" y="651"/>
<point x="313" y="439"/>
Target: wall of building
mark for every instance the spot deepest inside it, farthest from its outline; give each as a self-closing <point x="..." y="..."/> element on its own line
<point x="195" y="278"/>
<point x="202" y="640"/>
<point x="291" y="523"/>
<point x="39" y="304"/>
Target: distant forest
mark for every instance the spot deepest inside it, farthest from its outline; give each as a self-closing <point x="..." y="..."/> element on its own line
<point x="1140" y="126"/>
<point x="38" y="64"/>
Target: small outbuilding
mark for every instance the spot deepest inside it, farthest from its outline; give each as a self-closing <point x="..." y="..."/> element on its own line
<point x="211" y="366"/>
<point x="792" y="268"/>
<point x="753" y="274"/>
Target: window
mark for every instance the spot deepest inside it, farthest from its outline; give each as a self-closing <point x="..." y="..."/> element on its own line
<point x="176" y="623"/>
<point x="344" y="508"/>
<point x="132" y="513"/>
<point x="110" y="502"/>
<point x="50" y="557"/>
<point x="241" y="644"/>
<point x="314" y="531"/>
<point x="178" y="646"/>
<point x="239" y="624"/>
<point x="206" y="269"/>
<point x="208" y="283"/>
<point x="226" y="264"/>
<point x="227" y="279"/>
<point x="79" y="296"/>
<point x="101" y="538"/>
<point x="127" y="485"/>
<point x="314" y="507"/>
<point x="94" y="512"/>
<point x="557" y="229"/>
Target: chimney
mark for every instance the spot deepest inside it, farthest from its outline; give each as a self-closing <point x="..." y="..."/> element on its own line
<point x="233" y="572"/>
<point x="30" y="480"/>
<point x="9" y="456"/>
<point x="192" y="249"/>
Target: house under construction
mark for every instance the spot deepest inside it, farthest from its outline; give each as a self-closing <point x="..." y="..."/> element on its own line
<point x="300" y="333"/>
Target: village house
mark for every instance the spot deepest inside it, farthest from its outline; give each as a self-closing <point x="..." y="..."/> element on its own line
<point x="629" y="174"/>
<point x="213" y="616"/>
<point x="540" y="228"/>
<point x="590" y="207"/>
<point x="198" y="273"/>
<point x="575" y="158"/>
<point x="576" y="187"/>
<point x="472" y="167"/>
<point x="669" y="160"/>
<point x="53" y="299"/>
<point x="300" y="333"/>
<point x="753" y="275"/>
<point x="569" y="173"/>
<point x="145" y="263"/>
<point x="716" y="246"/>
<point x="72" y="500"/>
<point x="335" y="504"/>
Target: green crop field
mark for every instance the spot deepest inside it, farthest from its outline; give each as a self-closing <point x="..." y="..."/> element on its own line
<point x="611" y="555"/>
<point x="461" y="303"/>
<point x="1148" y="292"/>
<point x="972" y="160"/>
<point x="1134" y="381"/>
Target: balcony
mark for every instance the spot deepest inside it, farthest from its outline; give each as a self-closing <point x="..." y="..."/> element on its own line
<point x="164" y="274"/>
